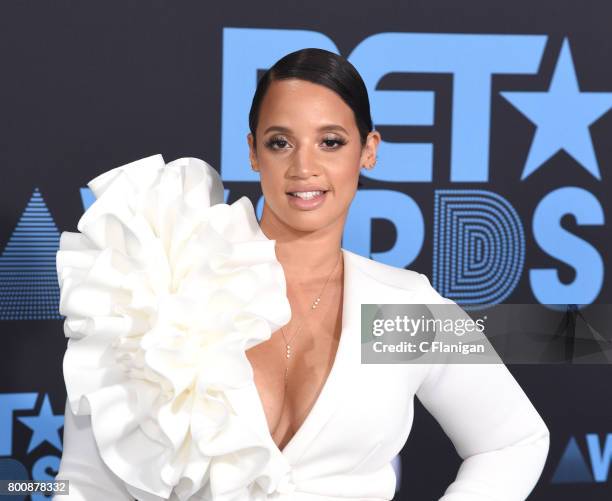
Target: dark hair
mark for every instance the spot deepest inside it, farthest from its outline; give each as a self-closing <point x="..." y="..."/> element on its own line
<point x="325" y="68"/>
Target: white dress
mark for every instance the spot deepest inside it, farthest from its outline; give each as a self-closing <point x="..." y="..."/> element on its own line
<point x="164" y="289"/>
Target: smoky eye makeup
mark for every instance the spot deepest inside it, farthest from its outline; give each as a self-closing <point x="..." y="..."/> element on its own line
<point x="276" y="141"/>
<point x="331" y="142"/>
<point x="334" y="139"/>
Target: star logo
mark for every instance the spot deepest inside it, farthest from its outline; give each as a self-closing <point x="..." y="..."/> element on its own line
<point x="45" y="426"/>
<point x="562" y="116"/>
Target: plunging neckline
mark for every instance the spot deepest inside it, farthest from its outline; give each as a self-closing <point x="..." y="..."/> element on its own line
<point x="323" y="393"/>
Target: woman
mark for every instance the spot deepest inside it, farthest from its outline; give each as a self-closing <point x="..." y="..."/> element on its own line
<point x="214" y="358"/>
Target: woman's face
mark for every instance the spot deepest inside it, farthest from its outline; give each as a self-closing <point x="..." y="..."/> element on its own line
<point x="308" y="141"/>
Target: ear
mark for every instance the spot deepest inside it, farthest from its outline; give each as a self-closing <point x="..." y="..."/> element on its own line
<point x="252" y="152"/>
<point x="368" y="155"/>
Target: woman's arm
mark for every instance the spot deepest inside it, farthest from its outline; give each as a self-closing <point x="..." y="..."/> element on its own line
<point x="89" y="477"/>
<point x="494" y="427"/>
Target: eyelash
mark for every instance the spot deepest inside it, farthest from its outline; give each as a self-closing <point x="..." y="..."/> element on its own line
<point x="276" y="139"/>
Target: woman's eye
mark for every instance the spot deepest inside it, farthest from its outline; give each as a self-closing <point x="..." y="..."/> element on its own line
<point x="276" y="142"/>
<point x="331" y="143"/>
<point x="281" y="144"/>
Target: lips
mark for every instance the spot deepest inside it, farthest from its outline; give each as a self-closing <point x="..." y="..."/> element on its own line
<point x="306" y="189"/>
<point x="309" y="202"/>
<point x="307" y="195"/>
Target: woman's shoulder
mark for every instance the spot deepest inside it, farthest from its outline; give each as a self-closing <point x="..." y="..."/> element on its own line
<point x="401" y="278"/>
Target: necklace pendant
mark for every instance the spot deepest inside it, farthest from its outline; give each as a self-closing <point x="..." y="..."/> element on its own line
<point x="288" y="351"/>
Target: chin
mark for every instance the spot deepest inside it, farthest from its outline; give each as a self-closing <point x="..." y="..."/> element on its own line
<point x="309" y="221"/>
<point x="307" y="224"/>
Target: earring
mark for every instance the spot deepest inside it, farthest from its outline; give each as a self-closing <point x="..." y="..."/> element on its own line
<point x="370" y="166"/>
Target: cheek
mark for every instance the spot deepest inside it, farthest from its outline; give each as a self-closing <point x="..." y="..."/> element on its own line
<point x="346" y="178"/>
<point x="345" y="187"/>
<point x="271" y="184"/>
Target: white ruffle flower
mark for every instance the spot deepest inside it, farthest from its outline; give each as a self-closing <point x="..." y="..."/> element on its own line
<point x="163" y="290"/>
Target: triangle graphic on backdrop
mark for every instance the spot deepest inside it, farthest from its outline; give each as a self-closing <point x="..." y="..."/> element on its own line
<point x="28" y="278"/>
<point x="572" y="468"/>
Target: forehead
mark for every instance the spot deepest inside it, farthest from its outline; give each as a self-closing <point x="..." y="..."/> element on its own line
<point x="299" y="104"/>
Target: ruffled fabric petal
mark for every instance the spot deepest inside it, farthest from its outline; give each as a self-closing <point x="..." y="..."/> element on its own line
<point x="164" y="287"/>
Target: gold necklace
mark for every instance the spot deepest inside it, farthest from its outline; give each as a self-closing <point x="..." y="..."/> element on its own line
<point x="314" y="305"/>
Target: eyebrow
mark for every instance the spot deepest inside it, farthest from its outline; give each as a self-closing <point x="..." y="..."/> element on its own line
<point x="325" y="127"/>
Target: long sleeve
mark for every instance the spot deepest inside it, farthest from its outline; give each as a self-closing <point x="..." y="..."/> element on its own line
<point x="494" y="427"/>
<point x="89" y="478"/>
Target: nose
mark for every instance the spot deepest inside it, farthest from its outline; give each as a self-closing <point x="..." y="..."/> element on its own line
<point x="304" y="163"/>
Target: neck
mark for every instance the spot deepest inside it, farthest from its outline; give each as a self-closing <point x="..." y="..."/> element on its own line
<point x="306" y="256"/>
